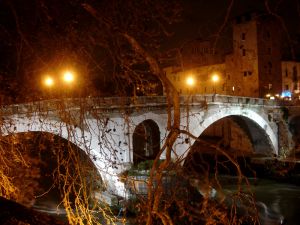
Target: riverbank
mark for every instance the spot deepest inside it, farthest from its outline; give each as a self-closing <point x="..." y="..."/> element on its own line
<point x="285" y="170"/>
<point x="280" y="169"/>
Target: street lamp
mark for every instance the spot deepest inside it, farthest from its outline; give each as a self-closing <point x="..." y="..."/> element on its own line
<point x="190" y="81"/>
<point x="215" y="78"/>
<point x="68" y="77"/>
<point x="48" y="81"/>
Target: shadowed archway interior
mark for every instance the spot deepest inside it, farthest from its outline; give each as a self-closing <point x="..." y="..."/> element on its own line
<point x="48" y="158"/>
<point x="146" y="141"/>
<point x="238" y="136"/>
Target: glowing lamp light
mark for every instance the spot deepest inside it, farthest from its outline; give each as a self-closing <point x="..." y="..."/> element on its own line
<point x="190" y="81"/>
<point x="68" y="77"/>
<point x="49" y="82"/>
<point x="215" y="78"/>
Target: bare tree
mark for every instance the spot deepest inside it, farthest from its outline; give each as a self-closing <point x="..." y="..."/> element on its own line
<point x="115" y="42"/>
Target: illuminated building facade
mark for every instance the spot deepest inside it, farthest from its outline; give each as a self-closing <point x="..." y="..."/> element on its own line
<point x="253" y="68"/>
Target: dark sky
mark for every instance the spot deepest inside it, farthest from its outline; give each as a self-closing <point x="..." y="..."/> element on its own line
<point x="203" y="18"/>
<point x="200" y="19"/>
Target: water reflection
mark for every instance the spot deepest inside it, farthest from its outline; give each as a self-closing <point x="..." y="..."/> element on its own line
<point x="277" y="203"/>
<point x="273" y="200"/>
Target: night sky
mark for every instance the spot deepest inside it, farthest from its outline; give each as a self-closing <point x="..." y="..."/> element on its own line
<point x="36" y="35"/>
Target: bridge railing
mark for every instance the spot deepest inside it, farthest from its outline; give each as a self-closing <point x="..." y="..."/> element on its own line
<point x="120" y="102"/>
<point x="193" y="99"/>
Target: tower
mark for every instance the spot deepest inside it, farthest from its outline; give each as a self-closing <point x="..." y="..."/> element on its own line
<point x="255" y="64"/>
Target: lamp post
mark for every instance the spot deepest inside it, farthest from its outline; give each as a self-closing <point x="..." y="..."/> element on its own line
<point x="67" y="82"/>
<point x="215" y="78"/>
<point x="190" y="81"/>
<point x="48" y="83"/>
<point x="68" y="77"/>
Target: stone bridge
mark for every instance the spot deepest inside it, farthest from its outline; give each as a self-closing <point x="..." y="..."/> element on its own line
<point x="118" y="132"/>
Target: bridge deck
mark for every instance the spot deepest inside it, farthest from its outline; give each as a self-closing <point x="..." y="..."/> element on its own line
<point x="128" y="102"/>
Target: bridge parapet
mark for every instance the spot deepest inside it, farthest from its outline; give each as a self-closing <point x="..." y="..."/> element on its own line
<point x="127" y="102"/>
<point x="228" y="99"/>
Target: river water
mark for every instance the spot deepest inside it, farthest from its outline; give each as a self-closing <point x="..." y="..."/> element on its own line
<point x="274" y="200"/>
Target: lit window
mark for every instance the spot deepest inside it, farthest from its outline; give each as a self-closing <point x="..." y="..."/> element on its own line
<point x="270" y="86"/>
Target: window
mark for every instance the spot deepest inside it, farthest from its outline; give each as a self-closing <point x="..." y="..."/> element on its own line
<point x="248" y="17"/>
<point x="244" y="52"/>
<point x="286" y="87"/>
<point x="266" y="34"/>
<point x="295" y="78"/>
<point x="270" y="67"/>
<point x="295" y="86"/>
<point x="245" y="73"/>
<point x="270" y="64"/>
<point x="286" y="73"/>
<point x="294" y="70"/>
<point x="243" y="36"/>
<point x="196" y="50"/>
<point x="269" y="51"/>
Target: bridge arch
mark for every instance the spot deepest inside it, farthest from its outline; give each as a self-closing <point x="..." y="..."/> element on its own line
<point x="146" y="141"/>
<point x="49" y="153"/>
<point x="198" y="123"/>
<point x="83" y="139"/>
